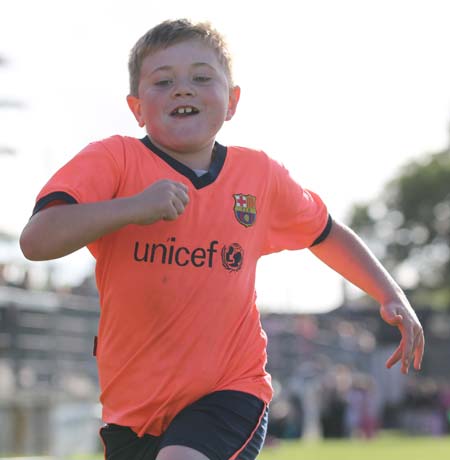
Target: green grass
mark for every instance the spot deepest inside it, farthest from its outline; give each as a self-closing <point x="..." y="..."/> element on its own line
<point x="385" y="447"/>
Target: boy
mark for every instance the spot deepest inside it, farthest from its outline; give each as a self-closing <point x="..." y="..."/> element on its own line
<point x="181" y="353"/>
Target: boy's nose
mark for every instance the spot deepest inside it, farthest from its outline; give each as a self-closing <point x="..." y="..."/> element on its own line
<point x="183" y="89"/>
<point x="185" y="92"/>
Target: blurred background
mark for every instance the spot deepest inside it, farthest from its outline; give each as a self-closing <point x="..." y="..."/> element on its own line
<point x="352" y="96"/>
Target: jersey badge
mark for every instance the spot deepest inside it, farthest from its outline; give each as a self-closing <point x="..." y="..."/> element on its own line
<point x="245" y="209"/>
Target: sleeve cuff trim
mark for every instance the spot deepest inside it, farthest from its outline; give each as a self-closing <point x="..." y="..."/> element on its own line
<point x="55" y="196"/>
<point x="324" y="233"/>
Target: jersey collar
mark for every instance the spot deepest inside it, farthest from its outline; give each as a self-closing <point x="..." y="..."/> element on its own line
<point x="218" y="160"/>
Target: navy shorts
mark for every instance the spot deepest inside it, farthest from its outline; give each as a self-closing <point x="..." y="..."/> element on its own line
<point x="224" y="425"/>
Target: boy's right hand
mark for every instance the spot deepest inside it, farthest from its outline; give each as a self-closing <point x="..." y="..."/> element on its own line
<point x="163" y="200"/>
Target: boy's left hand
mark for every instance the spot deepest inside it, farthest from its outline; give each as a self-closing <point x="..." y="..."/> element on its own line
<point x="412" y="343"/>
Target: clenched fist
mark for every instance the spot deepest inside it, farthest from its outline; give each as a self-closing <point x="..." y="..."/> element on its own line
<point x="163" y="200"/>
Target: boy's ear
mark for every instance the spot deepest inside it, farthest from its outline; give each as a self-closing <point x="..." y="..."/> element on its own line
<point x="134" y="103"/>
<point x="235" y="94"/>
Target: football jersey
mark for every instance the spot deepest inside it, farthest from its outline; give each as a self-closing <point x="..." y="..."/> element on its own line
<point x="178" y="318"/>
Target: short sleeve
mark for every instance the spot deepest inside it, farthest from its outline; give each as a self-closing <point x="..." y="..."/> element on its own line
<point x="92" y="175"/>
<point x="297" y="217"/>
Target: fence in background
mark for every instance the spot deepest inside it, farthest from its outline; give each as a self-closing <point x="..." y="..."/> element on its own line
<point x="48" y="377"/>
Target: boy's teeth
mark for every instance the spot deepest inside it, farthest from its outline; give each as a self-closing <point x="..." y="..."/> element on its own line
<point x="183" y="110"/>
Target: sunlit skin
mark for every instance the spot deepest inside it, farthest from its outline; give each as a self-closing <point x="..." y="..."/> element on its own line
<point x="187" y="74"/>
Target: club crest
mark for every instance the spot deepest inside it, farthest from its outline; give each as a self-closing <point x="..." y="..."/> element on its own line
<point x="245" y="209"/>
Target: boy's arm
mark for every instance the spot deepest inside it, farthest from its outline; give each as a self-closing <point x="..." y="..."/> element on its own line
<point x="62" y="229"/>
<point x="348" y="255"/>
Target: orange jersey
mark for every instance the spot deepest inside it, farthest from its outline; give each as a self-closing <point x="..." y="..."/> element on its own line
<point x="178" y="317"/>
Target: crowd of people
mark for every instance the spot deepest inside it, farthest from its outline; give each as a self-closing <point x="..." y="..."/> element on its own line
<point x="347" y="407"/>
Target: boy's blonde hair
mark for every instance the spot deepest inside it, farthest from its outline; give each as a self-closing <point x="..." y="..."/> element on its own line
<point x="169" y="33"/>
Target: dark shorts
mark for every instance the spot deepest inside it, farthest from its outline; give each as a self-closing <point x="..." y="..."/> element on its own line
<point x="223" y="425"/>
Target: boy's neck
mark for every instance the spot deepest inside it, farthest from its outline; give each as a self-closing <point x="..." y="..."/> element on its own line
<point x="197" y="160"/>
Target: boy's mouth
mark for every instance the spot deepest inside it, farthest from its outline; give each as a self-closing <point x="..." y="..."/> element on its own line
<point x="184" y="111"/>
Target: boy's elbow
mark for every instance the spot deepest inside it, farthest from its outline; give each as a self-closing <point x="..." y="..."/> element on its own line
<point x="27" y="247"/>
<point x="31" y="245"/>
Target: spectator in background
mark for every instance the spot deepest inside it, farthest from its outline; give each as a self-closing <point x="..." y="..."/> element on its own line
<point x="361" y="417"/>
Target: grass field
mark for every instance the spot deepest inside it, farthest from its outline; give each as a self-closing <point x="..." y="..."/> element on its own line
<point x="382" y="448"/>
<point x="385" y="448"/>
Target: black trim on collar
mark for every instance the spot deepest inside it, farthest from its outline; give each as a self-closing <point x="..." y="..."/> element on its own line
<point x="218" y="160"/>
<point x="325" y="232"/>
<point x="55" y="196"/>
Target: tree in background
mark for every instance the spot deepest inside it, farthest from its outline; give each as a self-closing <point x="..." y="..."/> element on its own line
<point x="408" y="228"/>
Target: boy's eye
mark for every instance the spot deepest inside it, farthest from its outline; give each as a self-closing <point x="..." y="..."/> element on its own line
<point x="202" y="78"/>
<point x="165" y="82"/>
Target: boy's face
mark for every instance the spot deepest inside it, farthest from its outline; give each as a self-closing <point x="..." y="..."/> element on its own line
<point x="184" y="97"/>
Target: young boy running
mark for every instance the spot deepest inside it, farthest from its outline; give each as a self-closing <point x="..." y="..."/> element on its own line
<point x="176" y="223"/>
